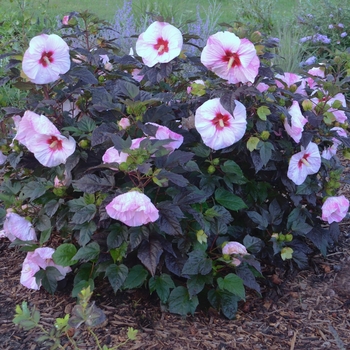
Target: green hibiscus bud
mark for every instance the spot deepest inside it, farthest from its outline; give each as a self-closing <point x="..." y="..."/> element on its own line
<point x="255" y="37"/>
<point x="123" y="166"/>
<point x="288" y="237"/>
<point x="211" y="169"/>
<point x="216" y="161"/>
<point x="84" y="144"/>
<point x="307" y="105"/>
<point x="281" y="237"/>
<point x="60" y="191"/>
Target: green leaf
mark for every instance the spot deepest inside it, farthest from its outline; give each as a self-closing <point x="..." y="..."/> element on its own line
<point x="86" y="124"/>
<point x="129" y="89"/>
<point x="84" y="214"/>
<point x="234" y="172"/>
<point x="117" y="235"/>
<point x="51" y="207"/>
<point x="196" y="283"/>
<point x="233" y="284"/>
<point x="84" y="74"/>
<point x="91" y="183"/>
<point x="149" y="253"/>
<point x="266" y="149"/>
<point x="162" y="285"/>
<point x="229" y="304"/>
<point x="252" y="143"/>
<point x="117" y="275"/>
<point x="86" y="231"/>
<point x="33" y="190"/>
<point x="259" y="219"/>
<point x="253" y="244"/>
<point x="83" y="284"/>
<point x="286" y="253"/>
<point x="76" y="204"/>
<point x="48" y="278"/>
<point x="246" y="274"/>
<point x="132" y="333"/>
<point x="62" y="323"/>
<point x="95" y="316"/>
<point x="136" y="277"/>
<point x="45" y="236"/>
<point x="89" y="252"/>
<point x="197" y="263"/>
<point x="137" y="235"/>
<point x="119" y="253"/>
<point x="64" y="254"/>
<point x="181" y="303"/>
<point x="229" y="200"/>
<point x="262" y="112"/>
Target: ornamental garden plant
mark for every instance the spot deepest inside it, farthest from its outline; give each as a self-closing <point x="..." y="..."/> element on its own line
<point x="186" y="175"/>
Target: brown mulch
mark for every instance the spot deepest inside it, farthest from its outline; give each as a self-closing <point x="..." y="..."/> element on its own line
<point x="307" y="310"/>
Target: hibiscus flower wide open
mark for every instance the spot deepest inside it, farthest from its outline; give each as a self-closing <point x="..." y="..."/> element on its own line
<point x="46" y="58"/>
<point x="160" y="43"/>
<point x="231" y="58"/>
<point x="43" y="139"/>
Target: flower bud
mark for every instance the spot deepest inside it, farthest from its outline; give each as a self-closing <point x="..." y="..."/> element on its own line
<point x="289" y="237"/>
<point x="84" y="144"/>
<point x="211" y="169"/>
<point x="307" y="105"/>
<point x="293" y="88"/>
<point x="255" y="37"/>
<point x="123" y="166"/>
<point x="281" y="237"/>
<point x="216" y="161"/>
<point x="337" y="59"/>
<point x="60" y="191"/>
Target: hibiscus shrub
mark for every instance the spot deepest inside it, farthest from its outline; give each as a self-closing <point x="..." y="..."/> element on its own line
<point x="182" y="174"/>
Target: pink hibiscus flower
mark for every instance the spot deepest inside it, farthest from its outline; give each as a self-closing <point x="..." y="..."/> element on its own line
<point x="295" y="130"/>
<point x="124" y="123"/>
<point x="164" y="133"/>
<point x="133" y="209"/>
<point x="289" y="80"/>
<point x="15" y="226"/>
<point x="160" y="43"/>
<point x="231" y="58"/>
<point x="46" y="58"/>
<point x="112" y="155"/>
<point x="339" y="115"/>
<point x="304" y="163"/>
<point x="218" y="128"/>
<point x="40" y="258"/>
<point x="234" y="248"/>
<point x="42" y="138"/>
<point x="331" y="151"/>
<point x="334" y="209"/>
<point x="316" y="72"/>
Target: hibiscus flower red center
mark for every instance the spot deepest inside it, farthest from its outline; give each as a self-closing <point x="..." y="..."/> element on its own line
<point x="46" y="58"/>
<point x="161" y="46"/>
<point x="232" y="59"/>
<point x="304" y="161"/>
<point x="54" y="143"/>
<point x="221" y="120"/>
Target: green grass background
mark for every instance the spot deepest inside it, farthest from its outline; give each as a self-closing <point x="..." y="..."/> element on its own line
<point x="106" y="9"/>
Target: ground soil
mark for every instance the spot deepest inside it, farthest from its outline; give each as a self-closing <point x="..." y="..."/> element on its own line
<point x="301" y="310"/>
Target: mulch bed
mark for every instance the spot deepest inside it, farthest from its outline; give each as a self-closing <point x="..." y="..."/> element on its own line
<point x="305" y="310"/>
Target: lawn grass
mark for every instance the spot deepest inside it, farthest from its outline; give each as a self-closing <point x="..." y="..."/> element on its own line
<point x="106" y="9"/>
